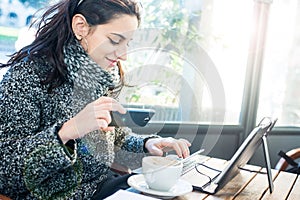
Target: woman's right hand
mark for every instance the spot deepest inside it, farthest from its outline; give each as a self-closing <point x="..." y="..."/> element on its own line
<point x="95" y="116"/>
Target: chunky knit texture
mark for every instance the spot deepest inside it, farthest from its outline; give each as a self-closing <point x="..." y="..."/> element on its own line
<point x="34" y="162"/>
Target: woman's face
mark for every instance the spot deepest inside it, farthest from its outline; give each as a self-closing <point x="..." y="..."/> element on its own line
<point x="107" y="43"/>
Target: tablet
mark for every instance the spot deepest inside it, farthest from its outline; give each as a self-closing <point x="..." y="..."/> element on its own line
<point x="242" y="156"/>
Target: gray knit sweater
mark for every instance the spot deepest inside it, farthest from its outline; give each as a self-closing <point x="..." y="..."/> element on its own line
<point x="34" y="162"/>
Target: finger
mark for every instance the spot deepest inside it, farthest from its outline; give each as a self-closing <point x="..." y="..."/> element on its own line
<point x="104" y="100"/>
<point x="172" y="144"/>
<point x="184" y="145"/>
<point x="184" y="149"/>
<point x="110" y="104"/>
<point x="102" y="124"/>
<point x="178" y="150"/>
<point x="103" y="114"/>
<point x="180" y="146"/>
<point x="109" y="128"/>
<point x="186" y="141"/>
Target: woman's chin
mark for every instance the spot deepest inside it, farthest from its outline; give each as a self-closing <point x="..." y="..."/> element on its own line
<point x="112" y="65"/>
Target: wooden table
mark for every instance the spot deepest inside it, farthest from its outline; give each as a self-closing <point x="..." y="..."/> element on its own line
<point x="250" y="185"/>
<point x="247" y="185"/>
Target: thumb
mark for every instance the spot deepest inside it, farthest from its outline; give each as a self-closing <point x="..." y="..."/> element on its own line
<point x="154" y="150"/>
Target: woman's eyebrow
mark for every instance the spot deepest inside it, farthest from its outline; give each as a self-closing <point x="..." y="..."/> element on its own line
<point x="121" y="36"/>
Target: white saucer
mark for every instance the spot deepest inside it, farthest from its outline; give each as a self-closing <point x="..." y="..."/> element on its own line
<point x="138" y="182"/>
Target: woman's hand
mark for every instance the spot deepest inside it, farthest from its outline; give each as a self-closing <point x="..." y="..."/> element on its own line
<point x="94" y="116"/>
<point x="157" y="146"/>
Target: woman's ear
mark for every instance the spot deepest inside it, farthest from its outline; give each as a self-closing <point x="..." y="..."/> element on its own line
<point x="80" y="26"/>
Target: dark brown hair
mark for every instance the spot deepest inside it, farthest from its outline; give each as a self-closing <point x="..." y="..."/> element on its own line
<point x="55" y="30"/>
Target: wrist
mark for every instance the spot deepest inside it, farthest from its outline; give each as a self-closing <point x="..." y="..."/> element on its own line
<point x="68" y="131"/>
<point x="146" y="140"/>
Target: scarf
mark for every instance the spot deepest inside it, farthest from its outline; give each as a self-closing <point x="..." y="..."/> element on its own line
<point x="90" y="82"/>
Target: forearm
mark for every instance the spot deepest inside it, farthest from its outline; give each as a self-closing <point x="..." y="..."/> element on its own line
<point x="132" y="142"/>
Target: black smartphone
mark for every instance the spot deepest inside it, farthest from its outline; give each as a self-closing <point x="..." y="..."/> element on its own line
<point x="134" y="117"/>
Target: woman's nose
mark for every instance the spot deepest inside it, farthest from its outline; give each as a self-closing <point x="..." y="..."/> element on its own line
<point x="121" y="53"/>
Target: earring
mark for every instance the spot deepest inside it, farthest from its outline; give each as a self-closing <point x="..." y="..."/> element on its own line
<point x="78" y="37"/>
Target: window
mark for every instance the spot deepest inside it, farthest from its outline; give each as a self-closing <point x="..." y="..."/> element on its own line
<point x="280" y="95"/>
<point x="189" y="60"/>
<point x="14" y="30"/>
<point x="14" y="15"/>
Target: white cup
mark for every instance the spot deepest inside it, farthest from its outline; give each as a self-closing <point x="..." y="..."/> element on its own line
<point x="161" y="173"/>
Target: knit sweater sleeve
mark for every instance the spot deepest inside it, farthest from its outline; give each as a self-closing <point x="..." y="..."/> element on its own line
<point x="130" y="141"/>
<point x="31" y="155"/>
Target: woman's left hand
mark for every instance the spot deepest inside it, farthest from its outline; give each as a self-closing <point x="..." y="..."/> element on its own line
<point x="157" y="146"/>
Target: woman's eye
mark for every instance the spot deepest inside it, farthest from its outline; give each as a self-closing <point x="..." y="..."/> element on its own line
<point x="113" y="42"/>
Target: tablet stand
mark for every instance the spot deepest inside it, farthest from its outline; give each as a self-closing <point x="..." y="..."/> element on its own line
<point x="267" y="162"/>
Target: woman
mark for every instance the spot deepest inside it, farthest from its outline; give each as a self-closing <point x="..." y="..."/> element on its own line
<point x="56" y="100"/>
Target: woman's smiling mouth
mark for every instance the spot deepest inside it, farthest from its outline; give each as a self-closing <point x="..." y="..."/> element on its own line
<point x="112" y="61"/>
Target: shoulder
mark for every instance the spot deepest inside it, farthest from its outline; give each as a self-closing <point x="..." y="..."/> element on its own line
<point x="20" y="73"/>
<point x="23" y="77"/>
<point x="27" y="72"/>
